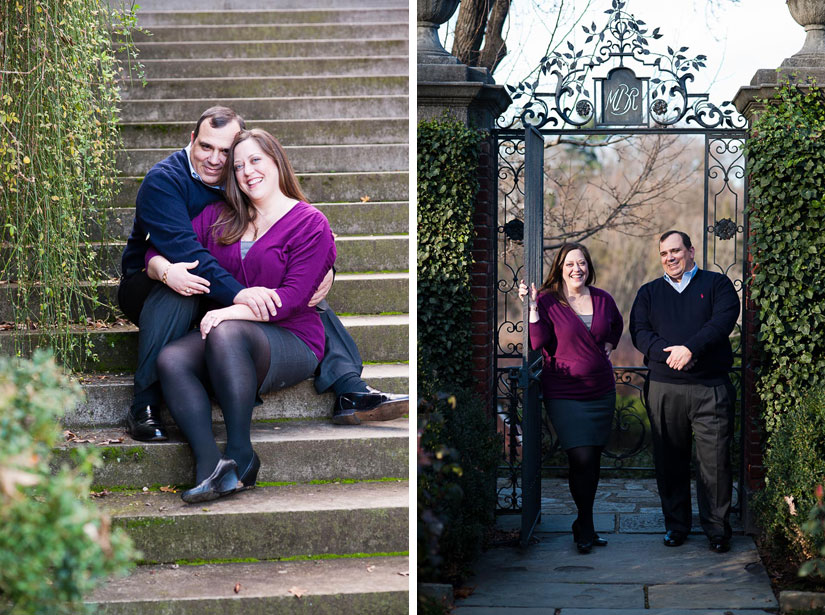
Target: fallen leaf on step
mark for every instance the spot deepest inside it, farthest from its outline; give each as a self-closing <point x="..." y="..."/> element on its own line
<point x="463" y="592"/>
<point x="110" y="441"/>
<point x="99" y="494"/>
<point x="168" y="489"/>
<point x="298" y="591"/>
<point x="365" y="199"/>
<point x="237" y="588"/>
<point x="370" y="568"/>
<point x="73" y="437"/>
<point x="403" y="574"/>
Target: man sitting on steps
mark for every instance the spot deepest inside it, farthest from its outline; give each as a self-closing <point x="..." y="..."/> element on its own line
<point x="173" y="192"/>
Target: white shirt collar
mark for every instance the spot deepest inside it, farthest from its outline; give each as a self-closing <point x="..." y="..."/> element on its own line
<point x="687" y="276"/>
<point x="188" y="150"/>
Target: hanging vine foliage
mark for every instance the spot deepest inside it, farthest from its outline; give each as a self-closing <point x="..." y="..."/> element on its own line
<point x="59" y="68"/>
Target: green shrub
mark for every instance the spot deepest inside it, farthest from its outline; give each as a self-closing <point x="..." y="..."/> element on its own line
<point x="55" y="545"/>
<point x="795" y="465"/>
<point x="459" y="453"/>
<point x="786" y="163"/>
<point x="814" y="527"/>
<point x="59" y="140"/>
<point x="447" y="184"/>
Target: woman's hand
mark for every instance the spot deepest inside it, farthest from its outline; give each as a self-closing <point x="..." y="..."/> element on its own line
<point x="608" y="348"/>
<point x="184" y="283"/>
<point x="522" y="293"/>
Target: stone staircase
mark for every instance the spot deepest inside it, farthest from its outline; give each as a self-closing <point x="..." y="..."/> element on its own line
<point x="327" y="528"/>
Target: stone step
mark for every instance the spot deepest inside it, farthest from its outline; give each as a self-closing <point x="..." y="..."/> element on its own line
<point x="369" y="253"/>
<point x="339" y="108"/>
<point x="266" y="522"/>
<point x="281" y="5"/>
<point x="380" y="339"/>
<point x="304" y="158"/>
<point x="265" y="67"/>
<point x="340" y="188"/>
<point x="353" y="131"/>
<point x="109" y="395"/>
<point x="297" y="48"/>
<point x="369" y="218"/>
<point x="296" y="451"/>
<point x="257" y="87"/>
<point x="374" y="585"/>
<point x="147" y="18"/>
<point x="270" y="31"/>
<point x="352" y="293"/>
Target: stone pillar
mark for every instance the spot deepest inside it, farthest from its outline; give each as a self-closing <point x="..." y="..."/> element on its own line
<point x="808" y="62"/>
<point x="468" y="94"/>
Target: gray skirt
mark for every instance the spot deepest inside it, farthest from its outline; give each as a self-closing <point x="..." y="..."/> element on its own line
<point x="290" y="360"/>
<point x="580" y="422"/>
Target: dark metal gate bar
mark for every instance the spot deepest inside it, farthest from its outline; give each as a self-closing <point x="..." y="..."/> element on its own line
<point x="531" y="359"/>
<point x="655" y="103"/>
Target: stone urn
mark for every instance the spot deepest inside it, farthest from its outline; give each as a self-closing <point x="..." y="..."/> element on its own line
<point x="810" y="14"/>
<point x="431" y="14"/>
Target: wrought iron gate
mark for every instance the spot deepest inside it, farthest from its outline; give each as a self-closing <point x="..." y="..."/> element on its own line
<point x="621" y="87"/>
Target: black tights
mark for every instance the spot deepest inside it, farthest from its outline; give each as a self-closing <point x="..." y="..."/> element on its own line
<point x="235" y="358"/>
<point x="584" y="463"/>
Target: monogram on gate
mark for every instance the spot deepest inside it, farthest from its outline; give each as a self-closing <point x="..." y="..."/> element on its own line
<point x="622" y="94"/>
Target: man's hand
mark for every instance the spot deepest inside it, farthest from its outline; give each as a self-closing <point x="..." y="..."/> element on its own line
<point x="184" y="283"/>
<point x="262" y="301"/>
<point x="680" y="357"/>
<point x="323" y="289"/>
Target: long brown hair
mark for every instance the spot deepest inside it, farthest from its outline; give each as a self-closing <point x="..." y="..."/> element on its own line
<point x="554" y="282"/>
<point x="238" y="212"/>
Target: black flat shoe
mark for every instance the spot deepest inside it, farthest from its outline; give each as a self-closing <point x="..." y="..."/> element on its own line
<point x="223" y="481"/>
<point x="143" y="423"/>
<point x="352" y="408"/>
<point x="674" y="538"/>
<point x="250" y="475"/>
<point x="584" y="546"/>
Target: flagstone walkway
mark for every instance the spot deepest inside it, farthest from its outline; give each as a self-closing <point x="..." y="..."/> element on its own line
<point x="634" y="575"/>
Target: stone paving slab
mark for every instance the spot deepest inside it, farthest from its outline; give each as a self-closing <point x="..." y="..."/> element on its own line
<point x="513" y="594"/>
<point x="557" y="523"/>
<point x="483" y="610"/>
<point x="750" y="595"/>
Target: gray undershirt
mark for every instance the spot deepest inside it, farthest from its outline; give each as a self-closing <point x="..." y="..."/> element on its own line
<point x="245" y="245"/>
<point x="587" y="319"/>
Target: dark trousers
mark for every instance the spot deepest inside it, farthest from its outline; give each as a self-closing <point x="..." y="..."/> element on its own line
<point x="164" y="316"/>
<point x="676" y="411"/>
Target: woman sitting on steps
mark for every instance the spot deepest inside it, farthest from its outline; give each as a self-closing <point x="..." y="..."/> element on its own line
<point x="265" y="235"/>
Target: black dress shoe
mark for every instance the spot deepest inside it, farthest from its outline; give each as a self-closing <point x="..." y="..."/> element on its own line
<point x="352" y="408"/>
<point x="584" y="546"/>
<point x="143" y="423"/>
<point x="250" y="475"/>
<point x="720" y="544"/>
<point x="223" y="481"/>
<point x="674" y="538"/>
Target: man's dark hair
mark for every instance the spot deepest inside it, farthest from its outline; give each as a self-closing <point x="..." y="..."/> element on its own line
<point x="218" y="118"/>
<point x="684" y="236"/>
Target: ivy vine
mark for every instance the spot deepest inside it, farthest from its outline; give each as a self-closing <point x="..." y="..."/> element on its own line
<point x="59" y="73"/>
<point x="787" y="220"/>
<point x="447" y="184"/>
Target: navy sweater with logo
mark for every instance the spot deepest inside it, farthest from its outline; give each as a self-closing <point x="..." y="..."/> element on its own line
<point x="167" y="201"/>
<point x="701" y="318"/>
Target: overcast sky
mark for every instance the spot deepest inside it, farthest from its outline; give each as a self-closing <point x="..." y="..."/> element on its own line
<point x="738" y="38"/>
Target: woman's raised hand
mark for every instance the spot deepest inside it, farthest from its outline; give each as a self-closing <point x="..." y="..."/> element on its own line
<point x="522" y="293"/>
<point x="184" y="283"/>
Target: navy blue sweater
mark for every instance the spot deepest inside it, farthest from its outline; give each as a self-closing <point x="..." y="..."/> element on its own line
<point x="701" y="318"/>
<point x="167" y="201"/>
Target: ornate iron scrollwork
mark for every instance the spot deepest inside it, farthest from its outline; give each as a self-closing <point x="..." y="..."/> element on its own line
<point x="575" y="97"/>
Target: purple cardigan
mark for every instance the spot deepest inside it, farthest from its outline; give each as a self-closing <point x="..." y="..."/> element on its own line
<point x="575" y="365"/>
<point x="292" y="256"/>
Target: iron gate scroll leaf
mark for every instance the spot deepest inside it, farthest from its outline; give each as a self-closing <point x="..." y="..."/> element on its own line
<point x="531" y="418"/>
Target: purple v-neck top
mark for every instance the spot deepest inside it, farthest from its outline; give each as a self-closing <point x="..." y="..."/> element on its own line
<point x="575" y="364"/>
<point x="292" y="256"/>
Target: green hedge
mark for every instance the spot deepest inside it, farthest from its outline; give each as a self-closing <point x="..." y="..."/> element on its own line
<point x="787" y="222"/>
<point x="58" y="147"/>
<point x="447" y="185"/>
<point x="55" y="544"/>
